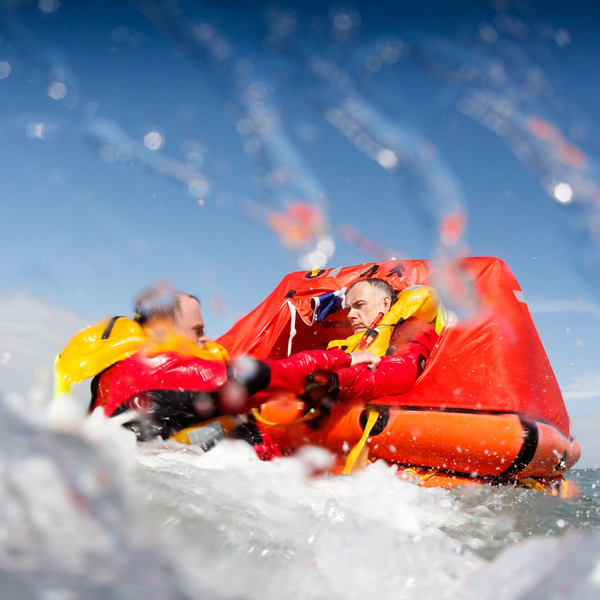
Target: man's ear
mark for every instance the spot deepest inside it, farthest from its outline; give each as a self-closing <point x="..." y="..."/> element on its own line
<point x="387" y="303"/>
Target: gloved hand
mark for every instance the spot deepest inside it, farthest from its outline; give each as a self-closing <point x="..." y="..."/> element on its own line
<point x="245" y="377"/>
<point x="320" y="390"/>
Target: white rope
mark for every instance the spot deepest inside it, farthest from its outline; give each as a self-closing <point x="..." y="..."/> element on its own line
<point x="292" y="326"/>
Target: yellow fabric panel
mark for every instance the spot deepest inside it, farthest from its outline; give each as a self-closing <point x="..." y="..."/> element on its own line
<point x="87" y="354"/>
<point x="228" y="424"/>
<point x="163" y="338"/>
<point x="441" y="318"/>
<point x="215" y="352"/>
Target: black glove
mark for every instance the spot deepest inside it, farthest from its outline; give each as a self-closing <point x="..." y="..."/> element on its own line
<point x="320" y="390"/>
<point x="252" y="375"/>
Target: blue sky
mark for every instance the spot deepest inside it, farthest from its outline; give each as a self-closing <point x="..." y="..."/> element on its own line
<point x="93" y="210"/>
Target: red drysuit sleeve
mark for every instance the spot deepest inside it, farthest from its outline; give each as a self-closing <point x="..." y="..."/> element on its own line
<point x="411" y="346"/>
<point x="291" y="373"/>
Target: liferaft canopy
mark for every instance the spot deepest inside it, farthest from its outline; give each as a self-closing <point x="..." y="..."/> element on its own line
<point x="493" y="362"/>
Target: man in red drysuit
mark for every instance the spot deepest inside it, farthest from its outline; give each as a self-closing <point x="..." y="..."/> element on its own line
<point x="410" y="346"/>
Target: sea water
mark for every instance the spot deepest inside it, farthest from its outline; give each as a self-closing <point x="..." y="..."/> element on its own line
<point x="97" y="515"/>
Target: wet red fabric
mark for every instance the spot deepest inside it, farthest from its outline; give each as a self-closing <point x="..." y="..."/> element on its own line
<point x="291" y="373"/>
<point x="166" y="371"/>
<point x="396" y="374"/>
<point x="267" y="450"/>
<point x="412" y="340"/>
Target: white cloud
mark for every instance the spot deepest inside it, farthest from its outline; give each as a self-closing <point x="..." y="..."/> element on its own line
<point x="584" y="385"/>
<point x="552" y="306"/>
<point x="584" y="429"/>
<point x="583" y="395"/>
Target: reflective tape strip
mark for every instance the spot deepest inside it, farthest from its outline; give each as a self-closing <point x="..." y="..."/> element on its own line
<point x="520" y="296"/>
<point x="207" y="435"/>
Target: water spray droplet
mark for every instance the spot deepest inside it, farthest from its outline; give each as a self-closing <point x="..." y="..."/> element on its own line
<point x="563" y="193"/>
<point x="153" y="140"/>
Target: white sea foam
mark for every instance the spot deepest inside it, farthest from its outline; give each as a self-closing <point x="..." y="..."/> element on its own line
<point x="84" y="511"/>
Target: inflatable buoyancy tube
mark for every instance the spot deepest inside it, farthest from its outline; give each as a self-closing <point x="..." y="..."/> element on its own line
<point x="96" y="348"/>
<point x="417" y="301"/>
<point x="501" y="446"/>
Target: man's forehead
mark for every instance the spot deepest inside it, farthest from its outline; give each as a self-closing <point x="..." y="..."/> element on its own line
<point x="185" y="298"/>
<point x="359" y="290"/>
<point x="189" y="304"/>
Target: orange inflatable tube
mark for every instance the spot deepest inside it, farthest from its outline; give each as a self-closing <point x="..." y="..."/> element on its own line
<point x="503" y="447"/>
<point x="556" y="485"/>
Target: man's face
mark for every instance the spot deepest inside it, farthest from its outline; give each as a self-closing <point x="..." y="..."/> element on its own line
<point x="362" y="306"/>
<point x="189" y="322"/>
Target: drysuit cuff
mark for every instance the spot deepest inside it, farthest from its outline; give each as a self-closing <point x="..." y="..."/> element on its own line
<point x="253" y="375"/>
<point x="320" y="389"/>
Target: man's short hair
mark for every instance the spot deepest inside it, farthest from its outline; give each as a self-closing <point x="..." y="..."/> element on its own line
<point x="381" y="287"/>
<point x="159" y="302"/>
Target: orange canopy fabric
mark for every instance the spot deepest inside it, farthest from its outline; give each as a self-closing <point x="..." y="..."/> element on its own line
<point x="493" y="361"/>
